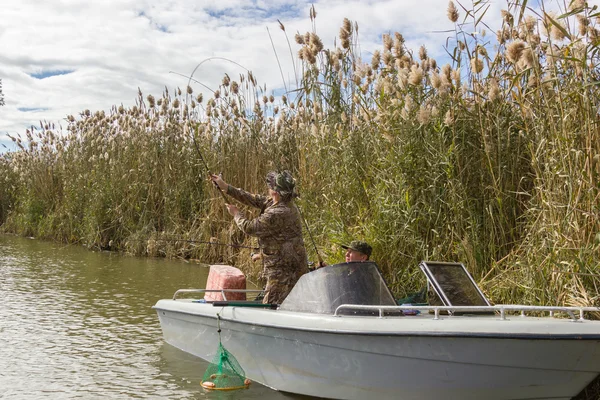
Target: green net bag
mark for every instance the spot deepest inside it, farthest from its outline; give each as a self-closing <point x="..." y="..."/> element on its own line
<point x="224" y="372"/>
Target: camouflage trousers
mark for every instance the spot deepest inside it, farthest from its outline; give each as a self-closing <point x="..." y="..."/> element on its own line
<point x="279" y="286"/>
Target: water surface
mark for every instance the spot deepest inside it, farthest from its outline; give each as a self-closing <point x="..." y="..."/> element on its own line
<point x="77" y="324"/>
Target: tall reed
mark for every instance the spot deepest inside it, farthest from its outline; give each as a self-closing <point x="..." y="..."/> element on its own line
<point x="491" y="159"/>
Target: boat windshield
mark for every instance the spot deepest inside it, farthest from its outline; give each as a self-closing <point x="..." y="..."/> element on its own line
<point x="323" y="290"/>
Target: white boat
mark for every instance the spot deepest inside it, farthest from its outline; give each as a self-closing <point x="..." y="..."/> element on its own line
<point x="339" y="335"/>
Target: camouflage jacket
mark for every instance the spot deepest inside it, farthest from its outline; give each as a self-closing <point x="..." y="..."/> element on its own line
<point x="279" y="232"/>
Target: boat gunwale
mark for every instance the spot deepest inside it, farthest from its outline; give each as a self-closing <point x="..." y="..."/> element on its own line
<point x="501" y="308"/>
<point x="422" y="333"/>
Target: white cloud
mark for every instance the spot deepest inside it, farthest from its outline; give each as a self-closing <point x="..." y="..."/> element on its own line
<point x="115" y="46"/>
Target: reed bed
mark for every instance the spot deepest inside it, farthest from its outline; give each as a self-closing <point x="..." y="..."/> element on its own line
<point x="492" y="159"/>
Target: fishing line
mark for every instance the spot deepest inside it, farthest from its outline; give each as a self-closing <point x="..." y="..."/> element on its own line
<point x="311" y="237"/>
<point x="574" y="273"/>
<point x="207" y="169"/>
<point x="200" y="242"/>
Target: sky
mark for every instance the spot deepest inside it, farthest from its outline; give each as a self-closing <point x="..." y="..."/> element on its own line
<point x="60" y="57"/>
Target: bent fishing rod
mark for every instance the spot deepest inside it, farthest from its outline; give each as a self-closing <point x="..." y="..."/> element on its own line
<point x="239" y="246"/>
<point x="207" y="169"/>
<point x="312" y="240"/>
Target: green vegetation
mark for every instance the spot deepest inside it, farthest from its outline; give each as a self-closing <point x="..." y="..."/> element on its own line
<point x="493" y="160"/>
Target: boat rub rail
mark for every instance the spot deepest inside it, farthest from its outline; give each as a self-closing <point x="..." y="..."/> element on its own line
<point x="501" y="309"/>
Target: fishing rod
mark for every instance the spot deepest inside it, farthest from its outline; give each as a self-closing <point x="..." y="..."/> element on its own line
<point x="207" y="169"/>
<point x="239" y="246"/>
<point x="556" y="271"/>
<point x="312" y="240"/>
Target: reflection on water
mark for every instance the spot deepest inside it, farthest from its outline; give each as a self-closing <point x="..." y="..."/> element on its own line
<point x="79" y="324"/>
<point x="187" y="370"/>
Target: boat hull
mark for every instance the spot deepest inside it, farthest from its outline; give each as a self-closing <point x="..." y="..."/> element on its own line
<point x="403" y="358"/>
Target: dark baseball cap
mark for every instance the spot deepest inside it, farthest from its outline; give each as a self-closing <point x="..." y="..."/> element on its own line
<point x="360" y="246"/>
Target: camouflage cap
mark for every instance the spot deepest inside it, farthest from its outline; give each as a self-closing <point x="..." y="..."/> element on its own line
<point x="360" y="246"/>
<point x="281" y="182"/>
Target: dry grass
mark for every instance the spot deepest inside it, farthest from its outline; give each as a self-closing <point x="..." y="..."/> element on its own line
<point x="493" y="159"/>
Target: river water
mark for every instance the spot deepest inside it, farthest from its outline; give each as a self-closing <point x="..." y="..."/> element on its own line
<point x="77" y="324"/>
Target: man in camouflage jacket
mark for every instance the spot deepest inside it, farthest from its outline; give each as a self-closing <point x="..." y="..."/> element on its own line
<point x="278" y="229"/>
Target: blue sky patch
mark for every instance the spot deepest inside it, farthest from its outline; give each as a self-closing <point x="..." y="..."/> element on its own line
<point x="7" y="146"/>
<point x="153" y="23"/>
<point x="52" y="72"/>
<point x="286" y="11"/>
<point x="32" y="109"/>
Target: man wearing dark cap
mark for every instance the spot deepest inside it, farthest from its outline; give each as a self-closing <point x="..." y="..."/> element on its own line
<point x="278" y="229"/>
<point x="357" y="250"/>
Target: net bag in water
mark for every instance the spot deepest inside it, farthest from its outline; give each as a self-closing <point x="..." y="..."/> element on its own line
<point x="224" y="373"/>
